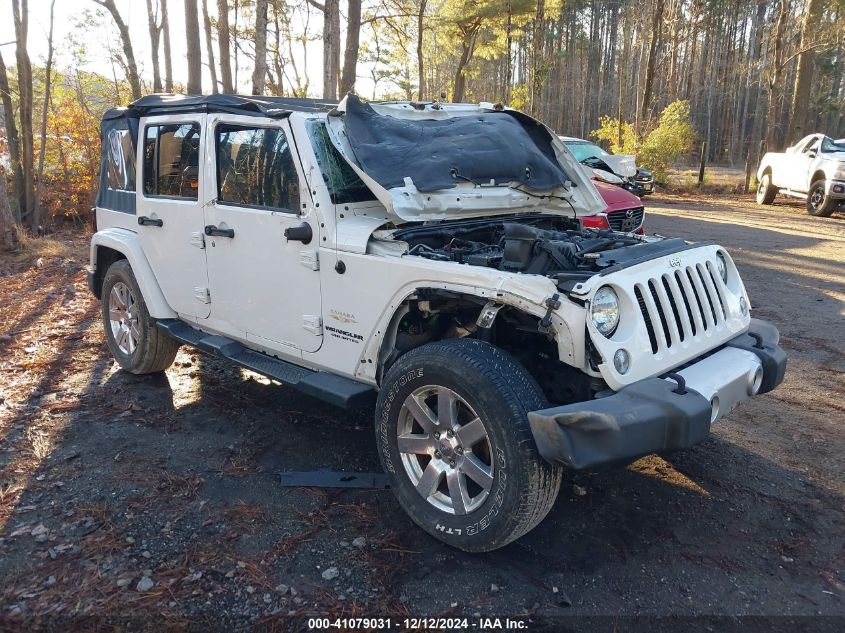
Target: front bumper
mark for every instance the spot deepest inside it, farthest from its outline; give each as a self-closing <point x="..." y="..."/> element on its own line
<point x="659" y="415"/>
<point x="835" y="188"/>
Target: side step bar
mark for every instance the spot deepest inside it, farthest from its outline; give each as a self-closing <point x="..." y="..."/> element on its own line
<point x="336" y="390"/>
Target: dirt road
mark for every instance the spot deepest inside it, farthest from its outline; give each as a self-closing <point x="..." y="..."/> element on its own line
<point x="157" y="498"/>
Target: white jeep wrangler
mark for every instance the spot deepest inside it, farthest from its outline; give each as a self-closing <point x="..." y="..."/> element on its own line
<point x="429" y="254"/>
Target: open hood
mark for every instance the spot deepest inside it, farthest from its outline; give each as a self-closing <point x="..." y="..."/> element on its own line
<point x="434" y="162"/>
<point x="624" y="165"/>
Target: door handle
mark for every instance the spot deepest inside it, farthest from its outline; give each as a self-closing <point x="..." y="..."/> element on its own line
<point x="212" y="230"/>
<point x="301" y="233"/>
<point x="145" y="221"/>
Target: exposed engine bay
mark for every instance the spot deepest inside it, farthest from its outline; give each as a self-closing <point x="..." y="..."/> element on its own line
<point x="553" y="246"/>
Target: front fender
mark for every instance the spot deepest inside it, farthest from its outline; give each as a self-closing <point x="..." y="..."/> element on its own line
<point x="129" y="245"/>
<point x="519" y="294"/>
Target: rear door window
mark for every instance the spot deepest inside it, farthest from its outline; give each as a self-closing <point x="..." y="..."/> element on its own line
<point x="171" y="161"/>
<point x="255" y="168"/>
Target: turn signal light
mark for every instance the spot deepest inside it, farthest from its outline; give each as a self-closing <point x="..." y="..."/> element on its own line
<point x="595" y="222"/>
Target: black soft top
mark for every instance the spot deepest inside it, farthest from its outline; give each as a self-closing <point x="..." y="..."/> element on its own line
<point x="233" y="104"/>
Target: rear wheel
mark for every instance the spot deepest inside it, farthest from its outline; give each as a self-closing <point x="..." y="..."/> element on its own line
<point x="453" y="436"/>
<point x="819" y="203"/>
<point x="765" y="191"/>
<point x="136" y="343"/>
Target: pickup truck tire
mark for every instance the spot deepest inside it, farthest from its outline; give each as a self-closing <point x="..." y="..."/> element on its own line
<point x="819" y="204"/>
<point x="453" y="437"/>
<point x="136" y="343"/>
<point x="765" y="191"/>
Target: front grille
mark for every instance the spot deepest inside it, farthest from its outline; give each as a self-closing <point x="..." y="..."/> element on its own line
<point x="626" y="220"/>
<point x="681" y="305"/>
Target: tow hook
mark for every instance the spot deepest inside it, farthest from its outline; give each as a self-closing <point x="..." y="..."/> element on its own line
<point x="552" y="303"/>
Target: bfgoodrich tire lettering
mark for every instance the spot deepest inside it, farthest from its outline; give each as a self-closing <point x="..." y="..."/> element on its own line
<point x="501" y="393"/>
<point x="150" y="350"/>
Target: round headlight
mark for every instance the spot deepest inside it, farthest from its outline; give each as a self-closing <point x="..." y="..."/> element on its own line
<point x="722" y="266"/>
<point x="604" y="311"/>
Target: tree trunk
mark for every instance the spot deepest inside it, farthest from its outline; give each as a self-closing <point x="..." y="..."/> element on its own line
<point x="131" y="67"/>
<point x="224" y="46"/>
<point x="42" y="150"/>
<point x="209" y="44"/>
<point x="194" y="55"/>
<point x="20" y="14"/>
<point x="259" y="72"/>
<point x="168" y="59"/>
<point x="775" y="76"/>
<point x="331" y="46"/>
<point x="8" y="228"/>
<point x="656" y="23"/>
<point x="350" y="54"/>
<point x="420" y="61"/>
<point x="155" y="38"/>
<point x="806" y="69"/>
<point x="467" y="49"/>
<point x="507" y="86"/>
<point x="13" y="139"/>
<point x="537" y="58"/>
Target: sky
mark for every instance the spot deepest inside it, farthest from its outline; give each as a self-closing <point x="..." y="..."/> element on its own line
<point x="134" y="13"/>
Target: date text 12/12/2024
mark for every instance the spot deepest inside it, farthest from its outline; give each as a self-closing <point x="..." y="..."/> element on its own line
<point x="418" y="624"/>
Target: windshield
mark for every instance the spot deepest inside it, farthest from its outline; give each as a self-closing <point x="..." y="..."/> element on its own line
<point x="343" y="183"/>
<point x="584" y="149"/>
<point x="829" y="145"/>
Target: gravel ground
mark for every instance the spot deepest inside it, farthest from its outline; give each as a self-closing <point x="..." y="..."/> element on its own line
<point x="155" y="500"/>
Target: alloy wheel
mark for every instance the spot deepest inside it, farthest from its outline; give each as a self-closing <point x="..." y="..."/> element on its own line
<point x="816" y="198"/>
<point x="445" y="450"/>
<point x="123" y="318"/>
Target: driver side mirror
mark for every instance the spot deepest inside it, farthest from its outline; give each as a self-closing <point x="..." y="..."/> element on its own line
<point x="811" y="153"/>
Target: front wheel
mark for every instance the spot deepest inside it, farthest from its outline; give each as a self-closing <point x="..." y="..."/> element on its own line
<point x="136" y="343"/>
<point x="818" y="203"/>
<point x="765" y="191"/>
<point x="453" y="436"/>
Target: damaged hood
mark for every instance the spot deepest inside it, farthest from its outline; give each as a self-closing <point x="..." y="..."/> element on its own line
<point x="624" y="165"/>
<point x="459" y="160"/>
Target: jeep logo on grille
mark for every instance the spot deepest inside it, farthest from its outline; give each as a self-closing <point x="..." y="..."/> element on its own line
<point x="674" y="262"/>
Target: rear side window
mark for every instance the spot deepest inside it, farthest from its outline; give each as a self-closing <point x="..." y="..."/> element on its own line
<point x="171" y="160"/>
<point x="255" y="168"/>
<point x="120" y="161"/>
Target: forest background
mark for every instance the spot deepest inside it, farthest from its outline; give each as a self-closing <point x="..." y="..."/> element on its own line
<point x="669" y="80"/>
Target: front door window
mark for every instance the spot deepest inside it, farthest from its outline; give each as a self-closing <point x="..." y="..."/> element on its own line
<point x="255" y="168"/>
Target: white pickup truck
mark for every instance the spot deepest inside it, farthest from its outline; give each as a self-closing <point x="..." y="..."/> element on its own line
<point x="813" y="169"/>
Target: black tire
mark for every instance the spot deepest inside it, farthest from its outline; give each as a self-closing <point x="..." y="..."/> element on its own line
<point x="154" y="350"/>
<point x="501" y="393"/>
<point x="765" y="191"/>
<point x="819" y="204"/>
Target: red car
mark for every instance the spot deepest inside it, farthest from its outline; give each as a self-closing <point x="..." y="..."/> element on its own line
<point x="624" y="213"/>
